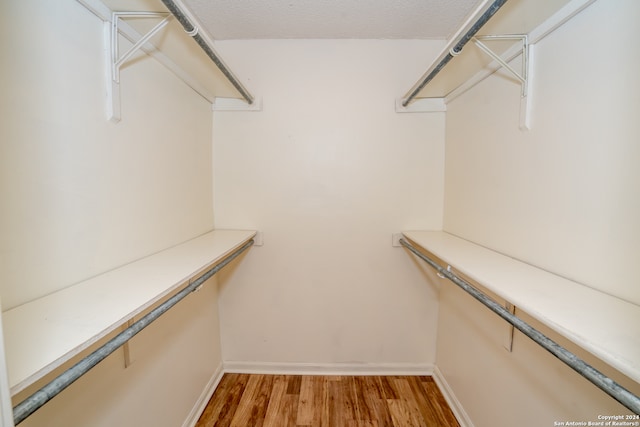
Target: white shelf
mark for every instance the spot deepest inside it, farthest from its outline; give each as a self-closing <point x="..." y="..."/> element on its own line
<point x="606" y="326"/>
<point x="170" y="45"/>
<point x="43" y="334"/>
<point x="531" y="17"/>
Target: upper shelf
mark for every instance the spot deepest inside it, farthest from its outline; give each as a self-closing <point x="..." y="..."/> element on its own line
<point x="172" y="45"/>
<point x="43" y="334"/>
<point x="516" y="17"/>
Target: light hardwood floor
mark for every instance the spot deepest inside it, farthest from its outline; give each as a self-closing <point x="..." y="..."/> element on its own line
<point x="329" y="401"/>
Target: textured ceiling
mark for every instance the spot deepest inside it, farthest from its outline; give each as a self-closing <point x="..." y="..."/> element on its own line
<point x="330" y="19"/>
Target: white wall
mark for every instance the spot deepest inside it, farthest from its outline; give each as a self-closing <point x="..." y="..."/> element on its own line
<point x="564" y="196"/>
<point x="328" y="171"/>
<point x="81" y="195"/>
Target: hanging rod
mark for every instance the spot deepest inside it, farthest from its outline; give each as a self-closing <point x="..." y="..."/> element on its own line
<point x="454" y="51"/>
<point x="34" y="402"/>
<point x="606" y="384"/>
<point x="193" y="31"/>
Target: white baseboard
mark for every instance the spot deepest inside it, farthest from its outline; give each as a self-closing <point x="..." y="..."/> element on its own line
<point x="204" y="398"/>
<point x="328" y="368"/>
<point x="455" y="405"/>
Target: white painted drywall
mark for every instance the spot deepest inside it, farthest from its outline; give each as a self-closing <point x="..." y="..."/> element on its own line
<point x="328" y="171"/>
<point x="81" y="195"/>
<point x="564" y="196"/>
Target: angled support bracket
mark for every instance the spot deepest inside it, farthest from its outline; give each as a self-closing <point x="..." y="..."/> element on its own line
<point x="126" y="351"/>
<point x="508" y="337"/>
<point x="524" y="75"/>
<point x="115" y="60"/>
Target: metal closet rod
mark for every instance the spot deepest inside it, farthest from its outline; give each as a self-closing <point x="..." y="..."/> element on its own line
<point x="454" y="51"/>
<point x="606" y="384"/>
<point x="193" y="31"/>
<point x="34" y="402"/>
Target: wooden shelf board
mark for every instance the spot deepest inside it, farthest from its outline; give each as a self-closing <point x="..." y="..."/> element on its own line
<point x="604" y="325"/>
<point x="43" y="334"/>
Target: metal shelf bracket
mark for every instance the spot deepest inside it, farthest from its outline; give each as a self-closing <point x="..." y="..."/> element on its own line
<point x="115" y="60"/>
<point x="524" y="75"/>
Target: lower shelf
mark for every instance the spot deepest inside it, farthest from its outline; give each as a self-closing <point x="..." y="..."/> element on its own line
<point x="606" y="326"/>
<point x="43" y="334"/>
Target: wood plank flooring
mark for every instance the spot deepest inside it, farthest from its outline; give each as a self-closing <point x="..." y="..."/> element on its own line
<point x="327" y="401"/>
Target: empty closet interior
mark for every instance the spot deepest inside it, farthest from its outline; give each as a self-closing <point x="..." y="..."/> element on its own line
<point x="189" y="193"/>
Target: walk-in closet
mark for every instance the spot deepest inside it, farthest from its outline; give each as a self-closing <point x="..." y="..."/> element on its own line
<point x="332" y="213"/>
